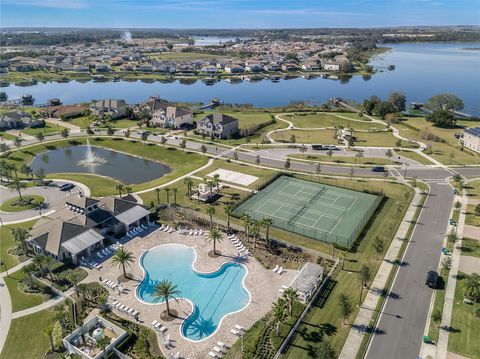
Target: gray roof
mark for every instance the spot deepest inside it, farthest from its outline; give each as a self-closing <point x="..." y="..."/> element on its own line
<point x="131" y="215"/>
<point x="215" y="118"/>
<point x="473" y="131"/>
<point x="82" y="241"/>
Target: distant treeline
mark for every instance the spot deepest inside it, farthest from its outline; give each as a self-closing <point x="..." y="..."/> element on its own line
<point x="50" y="36"/>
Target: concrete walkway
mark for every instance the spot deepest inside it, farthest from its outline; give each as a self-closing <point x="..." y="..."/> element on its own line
<point x="442" y="343"/>
<point x="471" y="231"/>
<point x="71" y="127"/>
<point x="362" y="322"/>
<point x="45" y="305"/>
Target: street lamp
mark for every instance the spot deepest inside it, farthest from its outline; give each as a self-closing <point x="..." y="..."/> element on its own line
<point x="405" y="173"/>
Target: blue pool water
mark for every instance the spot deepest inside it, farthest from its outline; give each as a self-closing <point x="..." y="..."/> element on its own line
<point x="213" y="295"/>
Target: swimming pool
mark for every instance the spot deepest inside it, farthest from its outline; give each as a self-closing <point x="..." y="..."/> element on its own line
<point x="212" y="295"/>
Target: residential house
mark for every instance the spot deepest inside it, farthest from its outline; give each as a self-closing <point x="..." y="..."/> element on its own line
<point x="218" y="125"/>
<point x="289" y="67"/>
<point x="80" y="228"/>
<point x="310" y="66"/>
<point x="234" y="69"/>
<point x="81" y="68"/>
<point x="471" y="138"/>
<point x="254" y="68"/>
<point x="172" y="117"/>
<point x="109" y="107"/>
<point x="65" y="112"/>
<point x="209" y="69"/>
<point x="102" y="68"/>
<point x="18" y="119"/>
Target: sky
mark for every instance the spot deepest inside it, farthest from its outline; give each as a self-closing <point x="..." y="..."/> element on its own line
<point x="237" y="13"/>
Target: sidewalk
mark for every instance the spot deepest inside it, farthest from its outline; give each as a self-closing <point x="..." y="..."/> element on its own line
<point x="362" y="321"/>
<point x="442" y="343"/>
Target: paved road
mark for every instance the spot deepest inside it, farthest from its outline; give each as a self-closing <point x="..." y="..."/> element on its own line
<point x="402" y="324"/>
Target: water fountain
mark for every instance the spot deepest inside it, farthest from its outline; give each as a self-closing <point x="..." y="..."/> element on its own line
<point x="91" y="160"/>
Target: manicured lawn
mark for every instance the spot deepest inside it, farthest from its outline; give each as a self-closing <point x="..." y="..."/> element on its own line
<point x="344" y="159"/>
<point x="446" y="152"/>
<point x="380" y="139"/>
<point x="27" y="337"/>
<point x="21" y="300"/>
<point x="473" y="189"/>
<point x="7" y="241"/>
<point x="48" y="129"/>
<point x="82" y="121"/>
<point x="99" y="186"/>
<point x="471" y="217"/>
<point x="325" y="318"/>
<point x="463" y="339"/>
<point x="6" y="136"/>
<point x="35" y="201"/>
<point x="323" y="119"/>
<point x="414" y="156"/>
<point x="471" y="247"/>
<point x="318" y="136"/>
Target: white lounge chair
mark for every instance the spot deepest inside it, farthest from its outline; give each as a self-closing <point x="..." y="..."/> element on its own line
<point x="239" y="327"/>
<point x="280" y="270"/>
<point x="222" y="344"/>
<point x="99" y="255"/>
<point x="162" y="329"/>
<point x="201" y="232"/>
<point x="190" y="233"/>
<point x="212" y="354"/>
<point x="219" y="350"/>
<point x="235" y="332"/>
<point x="170" y="230"/>
<point x="275" y="269"/>
<point x="154" y="323"/>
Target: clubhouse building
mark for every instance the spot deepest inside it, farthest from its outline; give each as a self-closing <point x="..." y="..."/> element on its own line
<point x="83" y="224"/>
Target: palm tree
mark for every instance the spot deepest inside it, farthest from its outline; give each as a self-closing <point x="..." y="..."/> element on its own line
<point x="247" y="221"/>
<point x="40" y="137"/>
<point x="17" y="142"/>
<point x="175" y="190"/>
<point x="211" y="211"/>
<point x="189" y="183"/>
<point x="157" y="192"/>
<point x="40" y="174"/>
<point x="122" y="258"/>
<point x="214" y="236"/>
<point x="128" y="189"/>
<point x="359" y="154"/>
<point x="17" y="185"/>
<point x="279" y="313"/>
<point x="163" y="140"/>
<point x="216" y="181"/>
<point x="291" y="296"/>
<point x="119" y="187"/>
<point x="210" y="185"/>
<point x="472" y="286"/>
<point x="164" y="291"/>
<point x="167" y="191"/>
<point x="267" y="222"/>
<point x="228" y="210"/>
<point x="255" y="231"/>
<point x="20" y="234"/>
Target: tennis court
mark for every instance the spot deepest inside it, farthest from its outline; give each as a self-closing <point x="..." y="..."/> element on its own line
<point x="322" y="212"/>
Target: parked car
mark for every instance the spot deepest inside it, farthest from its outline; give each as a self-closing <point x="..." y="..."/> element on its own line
<point x="432" y="279"/>
<point x="66" y="187"/>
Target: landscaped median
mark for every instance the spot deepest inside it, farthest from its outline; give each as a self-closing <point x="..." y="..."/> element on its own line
<point x="18" y="204"/>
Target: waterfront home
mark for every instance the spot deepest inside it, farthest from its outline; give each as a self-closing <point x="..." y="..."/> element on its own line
<point x="253" y="68"/>
<point x="234" y="69"/>
<point x="210" y="69"/>
<point x="330" y="65"/>
<point x="172" y="117"/>
<point x="102" y="68"/>
<point x="18" y="119"/>
<point x="218" y="125"/>
<point x="471" y="139"/>
<point x="65" y="112"/>
<point x="289" y="67"/>
<point x="109" y="107"/>
<point x="153" y="104"/>
<point x="81" y="226"/>
<point x="310" y="66"/>
<point x="81" y="68"/>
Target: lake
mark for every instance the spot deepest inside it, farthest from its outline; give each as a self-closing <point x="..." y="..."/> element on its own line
<point x="125" y="168"/>
<point x="422" y="70"/>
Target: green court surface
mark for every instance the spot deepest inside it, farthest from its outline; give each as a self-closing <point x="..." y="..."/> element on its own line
<point x="319" y="211"/>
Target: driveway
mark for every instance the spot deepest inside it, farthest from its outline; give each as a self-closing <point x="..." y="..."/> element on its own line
<point x="54" y="197"/>
<point x="469" y="264"/>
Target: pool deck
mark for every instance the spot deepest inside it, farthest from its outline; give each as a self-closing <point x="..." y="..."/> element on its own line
<point x="262" y="284"/>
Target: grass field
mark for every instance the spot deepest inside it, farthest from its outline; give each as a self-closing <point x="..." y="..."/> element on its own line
<point x="245" y="118"/>
<point x="322" y="119"/>
<point x="345" y="159"/>
<point x="82" y="121"/>
<point x="21" y="300"/>
<point x="48" y="129"/>
<point x="27" y="337"/>
<point x="326" y="137"/>
<point x="322" y="212"/>
<point x="6" y="136"/>
<point x="7" y="241"/>
<point x="380" y="139"/>
<point x="463" y="339"/>
<point x="471" y="247"/>
<point x="186" y="56"/>
<point x="7" y="205"/>
<point x="414" y="156"/>
<point x="446" y="152"/>
<point x="471" y="217"/>
<point x="473" y="189"/>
